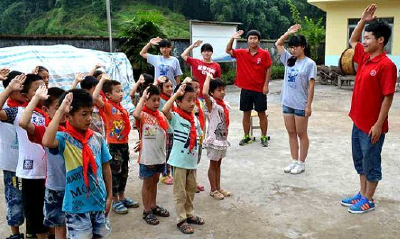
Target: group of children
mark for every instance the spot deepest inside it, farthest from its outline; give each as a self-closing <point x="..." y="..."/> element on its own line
<point x="65" y="154"/>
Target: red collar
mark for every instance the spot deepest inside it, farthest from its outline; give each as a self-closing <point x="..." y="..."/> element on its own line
<point x="258" y="51"/>
<point x="377" y="58"/>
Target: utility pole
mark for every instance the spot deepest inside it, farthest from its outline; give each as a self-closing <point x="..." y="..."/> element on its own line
<point x="108" y="9"/>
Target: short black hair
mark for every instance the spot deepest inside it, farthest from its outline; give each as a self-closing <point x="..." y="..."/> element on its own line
<point x="153" y="90"/>
<point x="206" y="47"/>
<point x="11" y="76"/>
<point x="81" y="98"/>
<point x="188" y="89"/>
<point x="108" y="85"/>
<point x="300" y="40"/>
<point x="30" y="78"/>
<point x="380" y="29"/>
<point x="253" y="33"/>
<point x="165" y="43"/>
<point x="89" y="82"/>
<point x="215" y="84"/>
<point x="54" y="94"/>
<point x="42" y="68"/>
<point x="148" y="80"/>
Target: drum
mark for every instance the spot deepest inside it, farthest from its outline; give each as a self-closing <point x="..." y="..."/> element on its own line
<point x="346" y="63"/>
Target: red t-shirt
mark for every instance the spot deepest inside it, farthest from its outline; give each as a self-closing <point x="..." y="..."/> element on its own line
<point x="251" y="69"/>
<point x="375" y="79"/>
<point x="201" y="68"/>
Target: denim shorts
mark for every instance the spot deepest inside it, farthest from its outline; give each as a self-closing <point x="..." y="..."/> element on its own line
<point x="52" y="210"/>
<point x="367" y="156"/>
<point x="148" y="171"/>
<point x="13" y="194"/>
<point x="87" y="225"/>
<point x="291" y="111"/>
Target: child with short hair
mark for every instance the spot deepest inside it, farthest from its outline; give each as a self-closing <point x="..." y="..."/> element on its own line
<point x="31" y="165"/>
<point x="152" y="126"/>
<point x="9" y="160"/>
<point x="87" y="198"/>
<point x="43" y="72"/>
<point x="184" y="155"/>
<point x="54" y="217"/>
<point x="117" y="132"/>
<point x="143" y="82"/>
<point x="216" y="142"/>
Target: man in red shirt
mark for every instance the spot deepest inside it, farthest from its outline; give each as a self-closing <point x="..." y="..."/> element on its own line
<point x="372" y="97"/>
<point x="253" y="71"/>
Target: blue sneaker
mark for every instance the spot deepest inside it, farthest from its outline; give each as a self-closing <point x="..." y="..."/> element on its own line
<point x="362" y="206"/>
<point x="350" y="201"/>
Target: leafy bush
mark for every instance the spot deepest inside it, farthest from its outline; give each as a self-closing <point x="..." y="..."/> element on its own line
<point x="277" y="72"/>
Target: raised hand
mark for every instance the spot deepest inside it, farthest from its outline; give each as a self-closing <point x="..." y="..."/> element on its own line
<point x="187" y="80"/>
<point x="4" y="73"/>
<point x="146" y="93"/>
<point x="141" y="80"/>
<point x="181" y="90"/>
<point x="41" y="93"/>
<point x="369" y="13"/>
<point x="105" y="76"/>
<point x="79" y="77"/>
<point x="98" y="65"/>
<point x="17" y="84"/>
<point x="293" y="29"/>
<point x="160" y="80"/>
<point x="197" y="43"/>
<point x="36" y="70"/>
<point x="65" y="106"/>
<point x="155" y="41"/>
<point x="210" y="76"/>
<point x="238" y="34"/>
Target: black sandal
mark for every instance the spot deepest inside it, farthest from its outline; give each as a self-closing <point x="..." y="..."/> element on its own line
<point x="185" y="228"/>
<point x="197" y="221"/>
<point x="150" y="218"/>
<point x="159" y="211"/>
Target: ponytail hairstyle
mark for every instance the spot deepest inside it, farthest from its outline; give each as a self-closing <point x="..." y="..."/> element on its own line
<point x="298" y="40"/>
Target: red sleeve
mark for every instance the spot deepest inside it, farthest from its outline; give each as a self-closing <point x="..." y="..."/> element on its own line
<point x="190" y="60"/>
<point x="38" y="134"/>
<point x="358" y="53"/>
<point x="218" y="71"/>
<point x="235" y="53"/>
<point x="388" y="78"/>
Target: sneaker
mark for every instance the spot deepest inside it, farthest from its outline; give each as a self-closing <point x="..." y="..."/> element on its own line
<point x="245" y="140"/>
<point x="16" y="236"/>
<point x="129" y="203"/>
<point x="264" y="141"/>
<point x="362" y="206"/>
<point x="298" y="168"/>
<point x="291" y="166"/>
<point x="119" y="208"/>
<point x="350" y="201"/>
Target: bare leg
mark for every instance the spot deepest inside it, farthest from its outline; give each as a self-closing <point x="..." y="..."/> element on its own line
<point x="61" y="232"/>
<point x="290" y="125"/>
<point x="263" y="122"/>
<point x="153" y="202"/>
<point x="42" y="236"/>
<point x="146" y="190"/>
<point x="212" y="175"/>
<point x="301" y="130"/>
<point x="370" y="191"/>
<point x="363" y="184"/>
<point x="15" y="230"/>
<point x="246" y="122"/>
<point x="218" y="175"/>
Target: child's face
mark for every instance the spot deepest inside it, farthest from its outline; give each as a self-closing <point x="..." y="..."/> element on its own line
<point x="32" y="90"/>
<point x="188" y="102"/>
<point x="165" y="51"/>
<point x="153" y="102"/>
<point x="196" y="87"/>
<point x="81" y="119"/>
<point x="18" y="96"/>
<point x="45" y="76"/>
<point x="219" y="93"/>
<point x="167" y="88"/>
<point x="51" y="110"/>
<point x="116" y="94"/>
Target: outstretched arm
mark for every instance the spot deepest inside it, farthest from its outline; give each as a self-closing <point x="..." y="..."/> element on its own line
<point x="186" y="52"/>
<point x="168" y="105"/>
<point x="229" y="46"/>
<point x="25" y="121"/>
<point x="96" y="93"/>
<point x="281" y="41"/>
<point x="16" y="84"/>
<point x="206" y="88"/>
<point x="367" y="16"/>
<point x="78" y="79"/>
<point x="139" y="106"/>
<point x="145" y="49"/>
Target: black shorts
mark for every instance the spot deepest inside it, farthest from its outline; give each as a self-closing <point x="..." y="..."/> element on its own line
<point x="33" y="191"/>
<point x="250" y="100"/>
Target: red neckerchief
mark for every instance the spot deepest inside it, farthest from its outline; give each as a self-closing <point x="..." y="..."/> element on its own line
<point x="226" y="111"/>
<point x="13" y="103"/>
<point x="127" y="123"/>
<point x="193" y="133"/>
<point x="201" y="114"/>
<point x="160" y="119"/>
<point x="87" y="154"/>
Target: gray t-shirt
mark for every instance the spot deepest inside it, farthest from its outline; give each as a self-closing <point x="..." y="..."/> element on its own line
<point x="296" y="82"/>
<point x="168" y="67"/>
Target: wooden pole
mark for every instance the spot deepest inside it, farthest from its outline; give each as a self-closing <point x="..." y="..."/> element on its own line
<point x="108" y="9"/>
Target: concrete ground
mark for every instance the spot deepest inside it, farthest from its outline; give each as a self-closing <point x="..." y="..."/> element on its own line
<point x="267" y="203"/>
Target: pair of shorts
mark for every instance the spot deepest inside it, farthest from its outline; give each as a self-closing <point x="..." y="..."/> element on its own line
<point x="87" y="225"/>
<point x="13" y="194"/>
<point x="216" y="154"/>
<point x="52" y="210"/>
<point x="33" y="191"/>
<point x="290" y="111"/>
<point x="250" y="100"/>
<point x="148" y="171"/>
<point x="367" y="156"/>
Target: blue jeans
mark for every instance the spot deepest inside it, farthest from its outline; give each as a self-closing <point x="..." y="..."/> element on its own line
<point x="52" y="210"/>
<point x="87" y="225"/>
<point x="13" y="194"/>
<point x="367" y="156"/>
<point x="291" y="111"/>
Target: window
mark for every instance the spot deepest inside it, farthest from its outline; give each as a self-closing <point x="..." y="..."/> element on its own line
<point x="352" y="23"/>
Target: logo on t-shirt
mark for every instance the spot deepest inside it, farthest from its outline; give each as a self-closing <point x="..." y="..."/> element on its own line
<point x="292" y="75"/>
<point x="258" y="61"/>
<point x="373" y="73"/>
<point x="164" y="69"/>
<point x="28" y="164"/>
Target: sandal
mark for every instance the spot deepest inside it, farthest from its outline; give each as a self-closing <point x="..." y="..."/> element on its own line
<point x="225" y="193"/>
<point x="129" y="203"/>
<point x="197" y="221"/>
<point x="217" y="195"/>
<point x="167" y="180"/>
<point x="119" y="208"/>
<point x="159" y="211"/>
<point x="185" y="228"/>
<point x="200" y="187"/>
<point x="150" y="218"/>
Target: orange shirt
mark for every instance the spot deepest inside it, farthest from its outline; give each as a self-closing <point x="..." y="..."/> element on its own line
<point x="114" y="124"/>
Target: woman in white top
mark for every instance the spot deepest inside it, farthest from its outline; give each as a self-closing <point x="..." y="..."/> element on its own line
<point x="297" y="95"/>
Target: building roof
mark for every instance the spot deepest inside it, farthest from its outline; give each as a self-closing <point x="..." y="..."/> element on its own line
<point x="323" y="4"/>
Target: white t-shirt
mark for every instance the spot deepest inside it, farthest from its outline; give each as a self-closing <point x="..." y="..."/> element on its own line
<point x="8" y="146"/>
<point x="168" y="67"/>
<point x="32" y="158"/>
